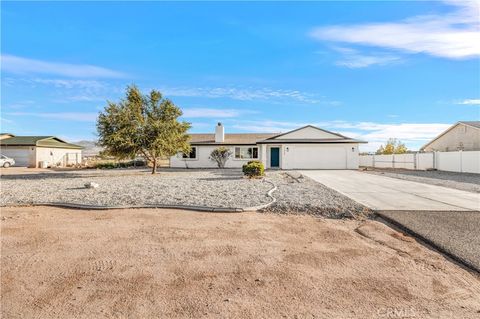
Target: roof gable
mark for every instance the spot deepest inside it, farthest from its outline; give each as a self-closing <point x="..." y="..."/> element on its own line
<point x="308" y="132"/>
<point x="474" y="124"/>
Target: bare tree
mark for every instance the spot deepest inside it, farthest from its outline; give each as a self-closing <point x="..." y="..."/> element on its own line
<point x="220" y="156"/>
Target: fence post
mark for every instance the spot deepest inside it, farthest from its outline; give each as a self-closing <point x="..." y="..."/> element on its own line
<point x="373" y="161"/>
<point x="393" y="160"/>
<point x="415" y="161"/>
<point x="461" y="161"/>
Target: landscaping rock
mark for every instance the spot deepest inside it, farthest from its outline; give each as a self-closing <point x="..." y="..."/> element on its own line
<point x="91" y="185"/>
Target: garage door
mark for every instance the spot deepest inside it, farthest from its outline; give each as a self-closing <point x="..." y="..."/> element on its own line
<point x="21" y="156"/>
<point x="319" y="157"/>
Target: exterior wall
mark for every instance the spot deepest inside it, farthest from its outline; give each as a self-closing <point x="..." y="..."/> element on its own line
<point x="461" y="161"/>
<point x="292" y="156"/>
<point x="58" y="156"/>
<point x="308" y="133"/>
<point x="461" y="137"/>
<point x="203" y="161"/>
<point x="319" y="156"/>
<point x="23" y="155"/>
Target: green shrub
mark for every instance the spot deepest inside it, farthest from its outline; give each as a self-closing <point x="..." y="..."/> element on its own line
<point x="106" y="165"/>
<point x="253" y="169"/>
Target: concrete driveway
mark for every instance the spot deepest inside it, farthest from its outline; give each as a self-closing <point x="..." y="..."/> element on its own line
<point x="385" y="193"/>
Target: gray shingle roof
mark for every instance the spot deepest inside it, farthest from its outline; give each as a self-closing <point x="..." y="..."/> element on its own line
<point x="471" y="123"/>
<point x="230" y="139"/>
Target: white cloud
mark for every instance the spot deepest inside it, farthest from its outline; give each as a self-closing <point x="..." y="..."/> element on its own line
<point x="212" y="113"/>
<point x="414" y="135"/>
<point x="453" y="35"/>
<point x="20" y="65"/>
<point x="63" y="116"/>
<point x="69" y="90"/>
<point x="469" y="102"/>
<point x="245" y="94"/>
<point x="4" y="120"/>
<point x="70" y="83"/>
<point x="352" y="58"/>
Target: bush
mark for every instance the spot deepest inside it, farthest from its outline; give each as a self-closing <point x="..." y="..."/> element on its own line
<point x="106" y="165"/>
<point x="253" y="169"/>
<point x="220" y="156"/>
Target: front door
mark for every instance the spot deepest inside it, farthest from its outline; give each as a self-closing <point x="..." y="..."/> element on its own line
<point x="275" y="157"/>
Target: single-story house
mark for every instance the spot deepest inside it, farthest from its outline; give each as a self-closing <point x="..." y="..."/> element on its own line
<point x="308" y="147"/>
<point x="463" y="135"/>
<point x="30" y="151"/>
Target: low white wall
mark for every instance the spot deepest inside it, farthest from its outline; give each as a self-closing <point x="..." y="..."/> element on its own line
<point x="460" y="161"/>
<point x="425" y="161"/>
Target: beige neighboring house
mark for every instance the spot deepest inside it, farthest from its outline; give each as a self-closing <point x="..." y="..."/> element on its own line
<point x="464" y="135"/>
<point x="31" y="151"/>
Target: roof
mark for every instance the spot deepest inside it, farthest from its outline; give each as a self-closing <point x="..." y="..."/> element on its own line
<point x="266" y="138"/>
<point x="230" y="139"/>
<point x="41" y="141"/>
<point x="310" y="141"/>
<point x="303" y="127"/>
<point x="474" y="124"/>
<point x="340" y="139"/>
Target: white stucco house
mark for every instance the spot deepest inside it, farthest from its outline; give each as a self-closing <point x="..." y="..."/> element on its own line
<point x="308" y="147"/>
<point x="461" y="136"/>
<point x="31" y="151"/>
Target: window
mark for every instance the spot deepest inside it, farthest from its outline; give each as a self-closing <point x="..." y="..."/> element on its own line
<point x="192" y="154"/>
<point x="246" y="152"/>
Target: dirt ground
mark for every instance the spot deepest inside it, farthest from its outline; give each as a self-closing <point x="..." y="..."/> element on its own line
<point x="60" y="263"/>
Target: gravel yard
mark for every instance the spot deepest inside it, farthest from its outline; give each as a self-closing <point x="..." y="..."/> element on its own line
<point x="299" y="194"/>
<point x="213" y="188"/>
<point x="462" y="181"/>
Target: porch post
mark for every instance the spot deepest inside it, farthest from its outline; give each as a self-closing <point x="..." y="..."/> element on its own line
<point x="263" y="154"/>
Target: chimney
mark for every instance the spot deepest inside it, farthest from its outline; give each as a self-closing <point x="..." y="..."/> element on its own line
<point x="219" y="133"/>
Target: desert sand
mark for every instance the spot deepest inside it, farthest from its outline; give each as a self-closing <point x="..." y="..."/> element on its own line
<point x="152" y="263"/>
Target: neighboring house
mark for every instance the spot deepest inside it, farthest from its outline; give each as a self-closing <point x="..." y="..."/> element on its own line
<point x="5" y="135"/>
<point x="464" y="135"/>
<point x="31" y="150"/>
<point x="308" y="147"/>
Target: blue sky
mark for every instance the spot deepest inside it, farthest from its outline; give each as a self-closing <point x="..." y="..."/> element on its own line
<point x="370" y="70"/>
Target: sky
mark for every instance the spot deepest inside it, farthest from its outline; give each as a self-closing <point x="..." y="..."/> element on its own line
<point x="368" y="70"/>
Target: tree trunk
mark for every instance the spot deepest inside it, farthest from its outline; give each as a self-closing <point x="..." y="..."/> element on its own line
<point x="154" y="168"/>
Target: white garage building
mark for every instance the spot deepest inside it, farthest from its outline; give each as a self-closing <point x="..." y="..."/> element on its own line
<point x="30" y="151"/>
<point x="308" y="147"/>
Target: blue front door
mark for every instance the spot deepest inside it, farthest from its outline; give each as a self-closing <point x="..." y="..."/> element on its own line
<point x="274" y="157"/>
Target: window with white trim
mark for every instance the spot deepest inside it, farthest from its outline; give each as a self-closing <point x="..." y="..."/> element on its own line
<point x="192" y="154"/>
<point x="242" y="152"/>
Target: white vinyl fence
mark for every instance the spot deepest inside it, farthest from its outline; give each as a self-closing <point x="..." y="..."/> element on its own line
<point x="461" y="161"/>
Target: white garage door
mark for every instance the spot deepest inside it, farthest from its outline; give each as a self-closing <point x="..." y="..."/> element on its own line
<point x="21" y="156"/>
<point x="319" y="157"/>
